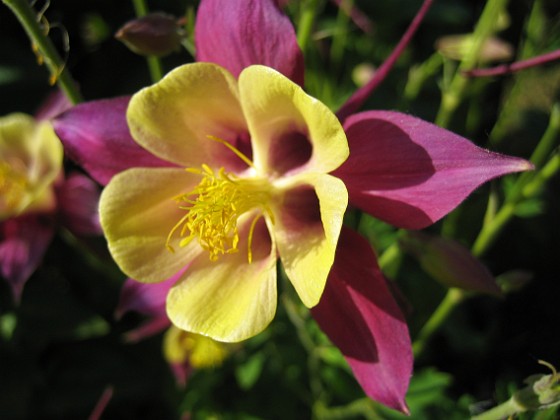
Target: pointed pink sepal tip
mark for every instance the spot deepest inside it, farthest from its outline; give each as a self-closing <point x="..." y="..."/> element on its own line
<point x="360" y="316"/>
<point x="411" y="173"/>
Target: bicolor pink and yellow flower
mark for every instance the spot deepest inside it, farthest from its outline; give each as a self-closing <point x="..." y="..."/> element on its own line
<point x="35" y="195"/>
<point x="227" y="166"/>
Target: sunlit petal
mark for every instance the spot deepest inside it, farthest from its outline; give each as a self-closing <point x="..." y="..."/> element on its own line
<point x="173" y="118"/>
<point x="138" y="210"/>
<point x="306" y="228"/>
<point x="229" y="299"/>
<point x="290" y="130"/>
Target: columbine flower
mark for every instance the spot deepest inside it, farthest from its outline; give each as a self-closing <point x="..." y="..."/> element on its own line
<point x="252" y="169"/>
<point x="30" y="162"/>
<point x="227" y="214"/>
<point x="35" y="195"/>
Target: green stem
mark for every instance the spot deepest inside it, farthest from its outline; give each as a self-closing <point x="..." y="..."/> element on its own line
<point x="526" y="186"/>
<point x="45" y="48"/>
<point x="313" y="360"/>
<point x="549" y="139"/>
<point x="156" y="70"/>
<point x="306" y="21"/>
<point x="502" y="411"/>
<point x="340" y="36"/>
<point x="452" y="97"/>
<point x="154" y="63"/>
<point x="547" y="172"/>
<point x="490" y="231"/>
<point x="298" y="322"/>
<point x="417" y="76"/>
<point x="140" y="7"/>
<point x="446" y="306"/>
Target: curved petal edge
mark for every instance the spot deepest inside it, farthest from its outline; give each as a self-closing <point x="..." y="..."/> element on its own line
<point x="360" y="316"/>
<point x="411" y="173"/>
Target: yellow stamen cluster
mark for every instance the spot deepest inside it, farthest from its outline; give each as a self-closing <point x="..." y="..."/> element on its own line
<point x="213" y="208"/>
<point x="13" y="185"/>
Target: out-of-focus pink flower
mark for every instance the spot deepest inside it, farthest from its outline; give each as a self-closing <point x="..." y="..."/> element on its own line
<point x="401" y="169"/>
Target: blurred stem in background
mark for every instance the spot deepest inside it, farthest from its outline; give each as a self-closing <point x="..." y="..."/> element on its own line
<point x="307" y="15"/>
<point x="453" y="93"/>
<point x="527" y="186"/>
<point x="154" y="63"/>
<point x="37" y="29"/>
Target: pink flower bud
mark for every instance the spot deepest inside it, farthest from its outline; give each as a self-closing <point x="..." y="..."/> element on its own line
<point x="450" y="263"/>
<point x="156" y="34"/>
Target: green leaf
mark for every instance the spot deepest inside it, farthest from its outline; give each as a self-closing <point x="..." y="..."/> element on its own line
<point x="248" y="373"/>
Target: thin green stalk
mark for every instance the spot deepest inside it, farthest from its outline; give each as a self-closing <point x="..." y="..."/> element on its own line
<point x="418" y="75"/>
<point x="547" y="172"/>
<point x="45" y="48"/>
<point x="526" y="186"/>
<point x="156" y="70"/>
<point x="452" y="97"/>
<point x="502" y="411"/>
<point x="306" y="21"/>
<point x="154" y="63"/>
<point x="313" y="359"/>
<point x="490" y="232"/>
<point x="140" y="7"/>
<point x="550" y="138"/>
<point x="440" y="315"/>
<point x="340" y="36"/>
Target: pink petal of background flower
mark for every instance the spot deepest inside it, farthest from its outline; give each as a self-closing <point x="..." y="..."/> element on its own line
<point x="23" y="242"/>
<point x="78" y="199"/>
<point x="96" y="135"/>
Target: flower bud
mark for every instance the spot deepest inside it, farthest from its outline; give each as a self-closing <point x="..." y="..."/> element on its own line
<point x="363" y="73"/>
<point x="456" y="47"/>
<point x="156" y="34"/>
<point x="449" y="262"/>
<point x="514" y="280"/>
<point x="541" y="392"/>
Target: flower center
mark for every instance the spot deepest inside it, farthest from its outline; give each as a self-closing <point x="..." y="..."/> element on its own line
<point x="214" y="206"/>
<point x="13" y="185"/>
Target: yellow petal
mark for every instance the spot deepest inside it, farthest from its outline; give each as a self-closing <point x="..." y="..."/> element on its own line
<point x="290" y="130"/>
<point x="229" y="299"/>
<point x="173" y="118"/>
<point x="32" y="150"/>
<point x="137" y="212"/>
<point x="306" y="230"/>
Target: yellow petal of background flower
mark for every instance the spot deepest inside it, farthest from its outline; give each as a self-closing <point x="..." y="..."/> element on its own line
<point x="32" y="149"/>
<point x="137" y="213"/>
<point x="173" y="118"/>
<point x="201" y="352"/>
<point x="229" y="299"/>
<point x="306" y="230"/>
<point x="277" y="111"/>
